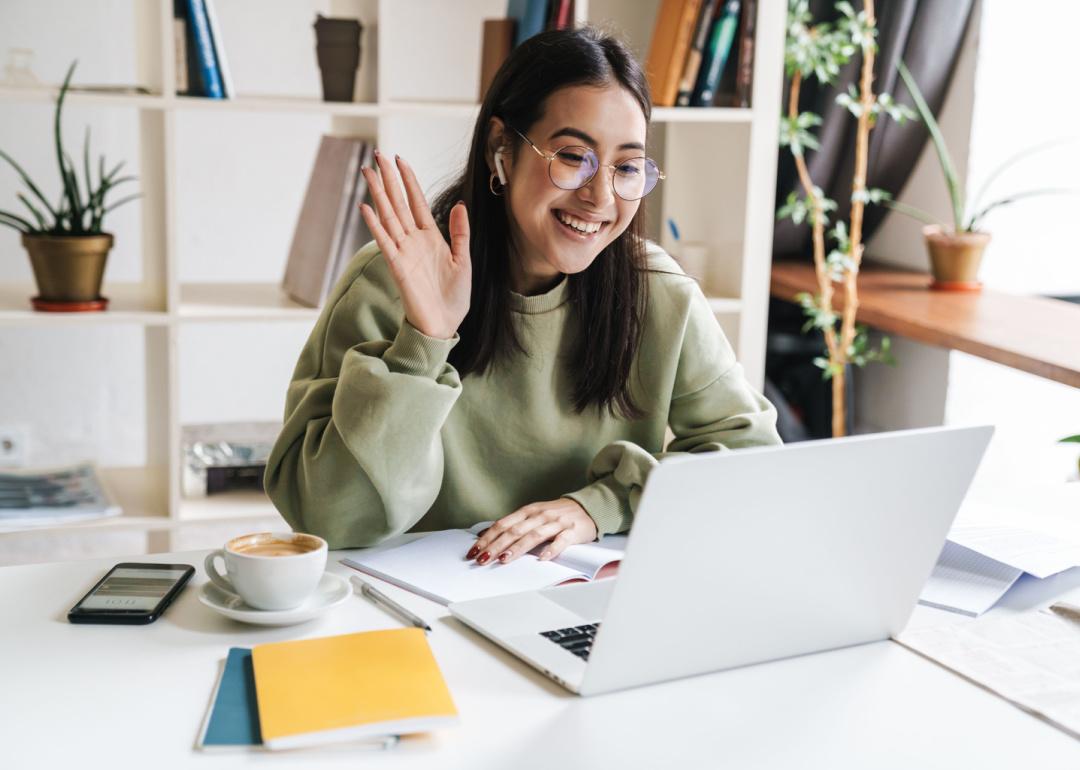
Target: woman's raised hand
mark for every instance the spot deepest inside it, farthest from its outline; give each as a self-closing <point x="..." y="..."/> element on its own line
<point x="435" y="279"/>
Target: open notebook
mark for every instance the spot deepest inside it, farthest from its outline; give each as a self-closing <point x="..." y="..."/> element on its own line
<point x="434" y="566"/>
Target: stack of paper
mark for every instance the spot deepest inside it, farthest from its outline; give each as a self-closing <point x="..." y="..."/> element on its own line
<point x="981" y="562"/>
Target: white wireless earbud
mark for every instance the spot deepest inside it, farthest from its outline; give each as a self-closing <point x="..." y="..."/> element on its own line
<point x="499" y="166"/>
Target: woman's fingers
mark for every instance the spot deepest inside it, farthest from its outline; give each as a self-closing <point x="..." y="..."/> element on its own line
<point x="393" y="191"/>
<point x="386" y="243"/>
<point x="385" y="209"/>
<point x="526" y="543"/>
<point x="496" y="530"/>
<point x="417" y="202"/>
<point x="562" y="541"/>
<point x="508" y="537"/>
<point x="459" y="232"/>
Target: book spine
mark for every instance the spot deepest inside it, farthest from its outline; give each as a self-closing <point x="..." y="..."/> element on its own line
<point x="219" y="50"/>
<point x="531" y="19"/>
<point x="498" y="42"/>
<point x="723" y="35"/>
<point x="709" y="10"/>
<point x="204" y="52"/>
<point x="564" y="19"/>
<point x="744" y="76"/>
<point x="180" y="49"/>
<point x="672" y="36"/>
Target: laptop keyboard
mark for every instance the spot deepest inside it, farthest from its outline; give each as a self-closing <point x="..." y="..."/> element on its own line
<point x="575" y="639"/>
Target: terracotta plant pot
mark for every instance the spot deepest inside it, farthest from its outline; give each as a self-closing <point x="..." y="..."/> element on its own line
<point x="955" y="258"/>
<point x="68" y="269"/>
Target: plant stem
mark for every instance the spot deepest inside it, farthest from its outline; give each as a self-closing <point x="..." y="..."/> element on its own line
<point x="817" y="223"/>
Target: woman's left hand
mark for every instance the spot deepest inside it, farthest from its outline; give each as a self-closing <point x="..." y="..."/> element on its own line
<point x="563" y="522"/>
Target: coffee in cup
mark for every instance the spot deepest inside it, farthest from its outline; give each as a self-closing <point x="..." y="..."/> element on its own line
<point x="270" y="570"/>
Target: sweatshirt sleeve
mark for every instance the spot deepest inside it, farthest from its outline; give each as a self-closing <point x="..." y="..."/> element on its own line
<point x="713" y="408"/>
<point x="360" y="456"/>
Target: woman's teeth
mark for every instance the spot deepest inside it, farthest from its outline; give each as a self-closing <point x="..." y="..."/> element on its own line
<point x="578" y="224"/>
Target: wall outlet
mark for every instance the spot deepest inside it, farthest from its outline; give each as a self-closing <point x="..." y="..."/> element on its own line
<point x="12" y="446"/>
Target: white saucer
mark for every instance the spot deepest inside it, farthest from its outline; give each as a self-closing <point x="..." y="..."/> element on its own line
<point x="331" y="591"/>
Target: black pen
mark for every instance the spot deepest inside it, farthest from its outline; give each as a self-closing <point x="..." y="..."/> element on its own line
<point x="378" y="597"/>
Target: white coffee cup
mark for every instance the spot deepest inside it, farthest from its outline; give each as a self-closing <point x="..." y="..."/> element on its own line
<point x="270" y="570"/>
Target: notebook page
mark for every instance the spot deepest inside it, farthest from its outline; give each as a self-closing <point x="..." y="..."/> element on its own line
<point x="965" y="581"/>
<point x="435" y="567"/>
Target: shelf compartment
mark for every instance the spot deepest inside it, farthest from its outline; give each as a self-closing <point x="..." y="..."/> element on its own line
<point x="227" y="506"/>
<point x="14" y="95"/>
<point x="246" y="301"/>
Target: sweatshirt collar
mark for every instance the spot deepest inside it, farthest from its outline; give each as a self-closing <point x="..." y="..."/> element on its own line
<point x="541" y="303"/>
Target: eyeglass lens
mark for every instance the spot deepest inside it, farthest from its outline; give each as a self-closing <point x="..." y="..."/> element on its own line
<point x="573" y="167"/>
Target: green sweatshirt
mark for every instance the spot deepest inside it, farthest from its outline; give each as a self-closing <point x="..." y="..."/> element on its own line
<point x="383" y="436"/>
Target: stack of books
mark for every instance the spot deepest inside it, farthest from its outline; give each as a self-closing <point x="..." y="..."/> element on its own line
<point x="53" y="497"/>
<point x="368" y="687"/>
<point x="330" y="229"/>
<point x="524" y="18"/>
<point x="201" y="66"/>
<point x="702" y="53"/>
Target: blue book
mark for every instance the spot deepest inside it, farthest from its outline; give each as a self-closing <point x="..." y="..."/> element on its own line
<point x="204" y="49"/>
<point x="717" y="50"/>
<point x="530" y="16"/>
<point x="234" y="714"/>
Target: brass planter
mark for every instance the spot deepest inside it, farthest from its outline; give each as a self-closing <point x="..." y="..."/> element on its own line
<point x="955" y="258"/>
<point x="68" y="268"/>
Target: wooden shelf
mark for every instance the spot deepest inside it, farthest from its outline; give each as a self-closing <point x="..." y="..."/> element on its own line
<point x="1033" y="334"/>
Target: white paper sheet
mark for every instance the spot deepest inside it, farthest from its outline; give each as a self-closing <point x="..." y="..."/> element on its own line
<point x="966" y="581"/>
<point x="1036" y="553"/>
<point x="1031" y="659"/>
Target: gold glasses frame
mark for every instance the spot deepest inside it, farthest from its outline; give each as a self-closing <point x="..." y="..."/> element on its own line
<point x="613" y="166"/>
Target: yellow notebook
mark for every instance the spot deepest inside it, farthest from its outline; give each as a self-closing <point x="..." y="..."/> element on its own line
<point x="341" y="688"/>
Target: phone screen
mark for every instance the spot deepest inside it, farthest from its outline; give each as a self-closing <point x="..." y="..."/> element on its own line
<point x="129" y="588"/>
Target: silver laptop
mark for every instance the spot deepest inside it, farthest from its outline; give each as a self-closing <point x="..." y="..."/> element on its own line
<point x="748" y="556"/>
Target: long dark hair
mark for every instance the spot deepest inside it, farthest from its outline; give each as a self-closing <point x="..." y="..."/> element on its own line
<point x="609" y="298"/>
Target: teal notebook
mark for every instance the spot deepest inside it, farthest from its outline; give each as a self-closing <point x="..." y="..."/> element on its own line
<point x="234" y="712"/>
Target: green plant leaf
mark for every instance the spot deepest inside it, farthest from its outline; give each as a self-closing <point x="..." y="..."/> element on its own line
<point x="28" y="182"/>
<point x="1013" y="159"/>
<point x="37" y="214"/>
<point x="973" y="223"/>
<point x="13" y="220"/>
<point x="911" y="211"/>
<point x="951" y="180"/>
<point x="1074" y="439"/>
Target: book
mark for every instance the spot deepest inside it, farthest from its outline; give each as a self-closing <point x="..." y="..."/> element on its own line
<point x="204" y="50"/>
<point x="341" y="688"/>
<point x="227" y="88"/>
<point x="321" y="225"/>
<point x="562" y="14"/>
<point x="709" y="11"/>
<point x="355" y="232"/>
<point x="180" y="63"/>
<point x="672" y="36"/>
<point x="721" y="38"/>
<point x="498" y="42"/>
<point x="232" y="721"/>
<point x="744" y="69"/>
<point x="190" y="82"/>
<point x="232" y="718"/>
<point x="530" y="16"/>
<point x="56" y="496"/>
<point x="434" y="566"/>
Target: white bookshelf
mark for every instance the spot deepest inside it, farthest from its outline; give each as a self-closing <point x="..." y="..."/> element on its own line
<point x="420" y="118"/>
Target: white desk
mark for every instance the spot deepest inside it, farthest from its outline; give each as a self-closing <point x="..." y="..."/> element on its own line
<point x="135" y="696"/>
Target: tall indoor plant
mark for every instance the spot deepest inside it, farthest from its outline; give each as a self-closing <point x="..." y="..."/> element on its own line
<point x="67" y="243"/>
<point x="956" y="249"/>
<point x="819" y="51"/>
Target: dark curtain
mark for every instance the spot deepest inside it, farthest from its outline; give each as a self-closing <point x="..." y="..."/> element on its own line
<point x="927" y="34"/>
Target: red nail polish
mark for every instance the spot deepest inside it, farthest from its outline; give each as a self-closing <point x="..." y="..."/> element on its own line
<point x="472" y="552"/>
<point x="482" y="558"/>
<point x="504" y="557"/>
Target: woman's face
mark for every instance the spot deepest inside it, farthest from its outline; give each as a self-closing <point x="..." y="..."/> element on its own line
<point x="607" y="119"/>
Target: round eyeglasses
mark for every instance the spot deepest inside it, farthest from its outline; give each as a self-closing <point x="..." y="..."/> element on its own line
<point x="574" y="166"/>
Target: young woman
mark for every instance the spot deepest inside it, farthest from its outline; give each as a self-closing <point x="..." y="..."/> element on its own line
<point x="515" y="352"/>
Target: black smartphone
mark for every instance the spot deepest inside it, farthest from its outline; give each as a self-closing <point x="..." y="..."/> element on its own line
<point x="132" y="593"/>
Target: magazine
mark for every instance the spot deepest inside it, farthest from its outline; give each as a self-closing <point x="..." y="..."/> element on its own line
<point x="57" y="496"/>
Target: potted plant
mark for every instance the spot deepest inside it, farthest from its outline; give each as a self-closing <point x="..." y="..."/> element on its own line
<point x="67" y="244"/>
<point x="956" y="250"/>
